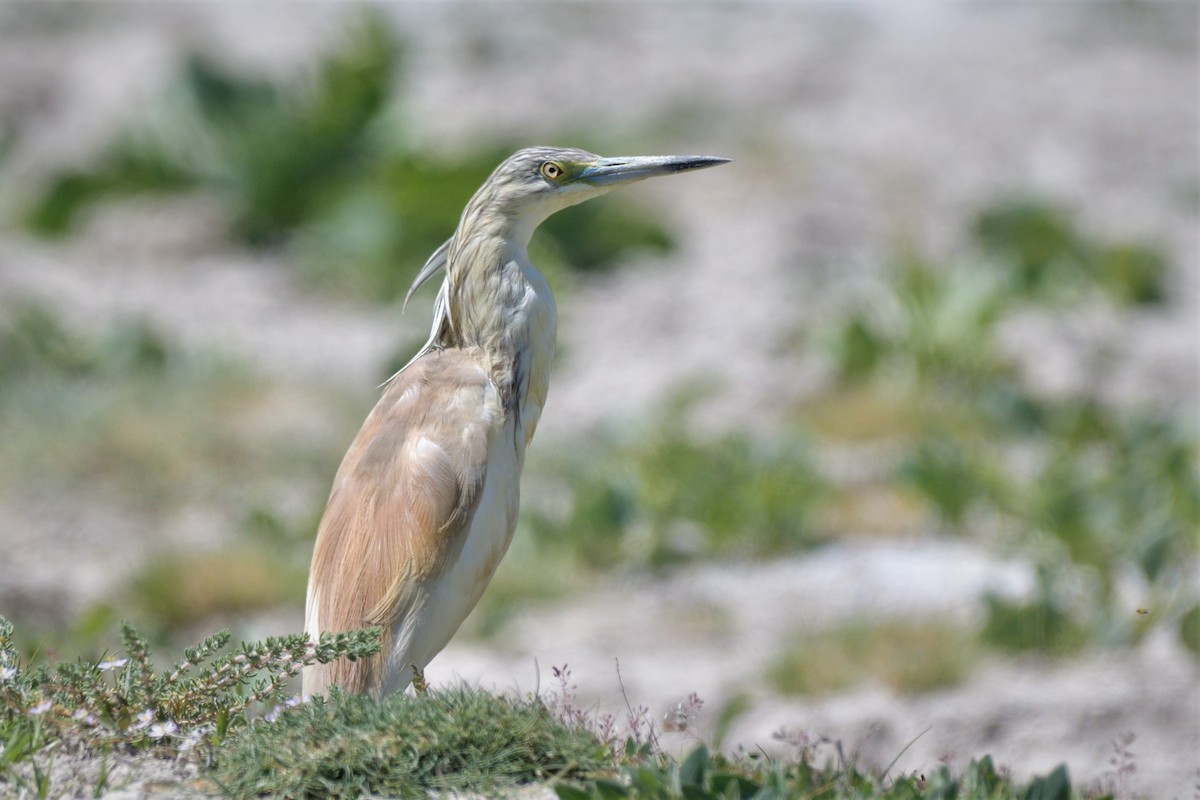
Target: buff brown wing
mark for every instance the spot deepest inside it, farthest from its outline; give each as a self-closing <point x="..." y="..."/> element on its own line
<point x="401" y="507"/>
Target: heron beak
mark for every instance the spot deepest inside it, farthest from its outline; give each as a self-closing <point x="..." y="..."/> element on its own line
<point x="612" y="172"/>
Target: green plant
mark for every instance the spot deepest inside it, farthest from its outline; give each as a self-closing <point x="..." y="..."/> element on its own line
<point x="1048" y="257"/>
<point x="1099" y="490"/>
<point x="706" y="776"/>
<point x="667" y="497"/>
<point x="175" y="590"/>
<point x="939" y="323"/>
<point x="945" y="321"/>
<point x="1133" y="273"/>
<point x="1036" y="238"/>
<point x="1189" y="629"/>
<point x="1044" y="624"/>
<point x="1127" y="497"/>
<point x="950" y="473"/>
<point x="122" y="701"/>
<point x="904" y="656"/>
<point x="458" y="739"/>
<point x="34" y="344"/>
<point x="933" y="326"/>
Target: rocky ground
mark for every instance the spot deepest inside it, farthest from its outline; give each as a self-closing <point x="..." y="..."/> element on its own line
<point x="854" y="129"/>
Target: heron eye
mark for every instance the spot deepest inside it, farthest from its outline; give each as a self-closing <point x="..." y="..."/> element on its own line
<point x="551" y="171"/>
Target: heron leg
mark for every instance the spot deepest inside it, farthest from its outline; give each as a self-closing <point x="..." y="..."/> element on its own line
<point x="418" y="680"/>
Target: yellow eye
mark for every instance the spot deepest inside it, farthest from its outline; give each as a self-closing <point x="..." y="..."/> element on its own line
<point x="551" y="171"/>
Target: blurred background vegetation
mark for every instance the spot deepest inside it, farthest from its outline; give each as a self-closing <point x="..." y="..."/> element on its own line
<point x="320" y="165"/>
<point x="1098" y="498"/>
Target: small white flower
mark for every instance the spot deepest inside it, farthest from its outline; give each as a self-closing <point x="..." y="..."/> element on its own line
<point x="83" y="716"/>
<point x="144" y="719"/>
<point x="7" y="674"/>
<point x="112" y="663"/>
<point x="291" y="702"/>
<point x="40" y="708"/>
<point x="194" y="737"/>
<point x="161" y="729"/>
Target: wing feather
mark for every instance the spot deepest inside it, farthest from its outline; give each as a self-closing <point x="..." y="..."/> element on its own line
<point x="401" y="506"/>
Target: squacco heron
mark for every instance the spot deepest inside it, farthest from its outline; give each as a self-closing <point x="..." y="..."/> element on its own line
<point x="424" y="504"/>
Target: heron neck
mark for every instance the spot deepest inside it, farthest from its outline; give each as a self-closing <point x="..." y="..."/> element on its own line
<point x="489" y="292"/>
<point x="500" y="306"/>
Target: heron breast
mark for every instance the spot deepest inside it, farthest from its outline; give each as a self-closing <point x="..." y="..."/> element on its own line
<point x="457" y="590"/>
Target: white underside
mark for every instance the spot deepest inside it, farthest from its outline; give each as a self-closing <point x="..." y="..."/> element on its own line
<point x="442" y="607"/>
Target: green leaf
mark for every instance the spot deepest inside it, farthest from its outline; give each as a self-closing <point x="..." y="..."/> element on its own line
<point x="729" y="713"/>
<point x="980" y="777"/>
<point x="1189" y="629"/>
<point x="691" y="792"/>
<point x="566" y="791"/>
<point x="691" y="772"/>
<point x="732" y="785"/>
<point x="858" y="349"/>
<point x="648" y="781"/>
<point x="610" y="790"/>
<point x="941" y="786"/>
<point x="1055" y="786"/>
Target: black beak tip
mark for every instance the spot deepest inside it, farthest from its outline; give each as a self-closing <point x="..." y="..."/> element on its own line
<point x="701" y="162"/>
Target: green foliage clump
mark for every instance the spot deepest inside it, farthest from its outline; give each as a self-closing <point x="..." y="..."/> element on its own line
<point x="34" y="343"/>
<point x="1126" y="495"/>
<point x="1044" y="624"/>
<point x="320" y="162"/>
<point x="272" y="151"/>
<point x="940" y="322"/>
<point x="1097" y="491"/>
<point x="950" y="477"/>
<point x="409" y="204"/>
<point x="1189" y="629"/>
<point x="1134" y="492"/>
<point x="589" y="237"/>
<point x="1048" y="256"/>
<point x="668" y="497"/>
<point x="175" y="590"/>
<point x="1035" y="237"/>
<point x="124" y="169"/>
<point x="705" y="776"/>
<point x="125" y="702"/>
<point x="904" y="656"/>
<point x="351" y="746"/>
<point x="933" y="325"/>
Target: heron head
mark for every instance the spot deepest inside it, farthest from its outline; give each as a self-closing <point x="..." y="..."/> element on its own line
<point x="536" y="182"/>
